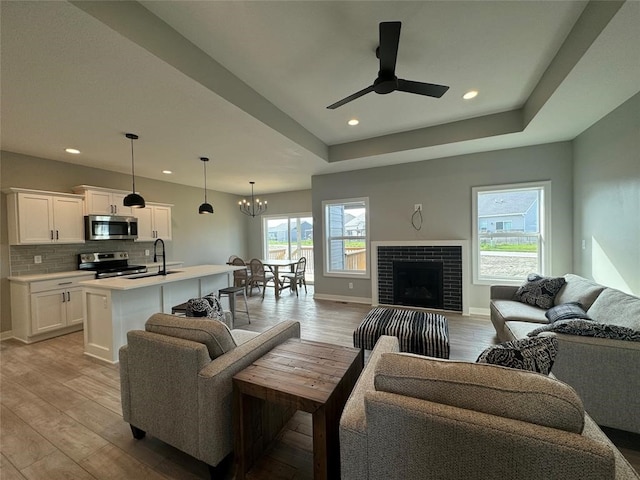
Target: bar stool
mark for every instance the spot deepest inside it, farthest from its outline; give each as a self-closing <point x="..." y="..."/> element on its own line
<point x="179" y="309"/>
<point x="232" y="293"/>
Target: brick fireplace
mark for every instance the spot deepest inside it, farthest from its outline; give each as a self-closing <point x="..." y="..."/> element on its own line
<point x="430" y="262"/>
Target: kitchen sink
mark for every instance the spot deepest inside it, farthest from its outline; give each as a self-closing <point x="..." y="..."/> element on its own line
<point x="147" y="275"/>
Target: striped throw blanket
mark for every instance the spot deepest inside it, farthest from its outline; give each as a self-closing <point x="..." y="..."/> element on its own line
<point x="418" y="332"/>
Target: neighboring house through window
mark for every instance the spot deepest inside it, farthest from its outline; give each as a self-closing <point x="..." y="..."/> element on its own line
<point x="511" y="231"/>
<point x="346" y="237"/>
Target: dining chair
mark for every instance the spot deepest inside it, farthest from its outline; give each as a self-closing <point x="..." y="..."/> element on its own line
<point x="259" y="276"/>
<point x="296" y="278"/>
<point x="241" y="278"/>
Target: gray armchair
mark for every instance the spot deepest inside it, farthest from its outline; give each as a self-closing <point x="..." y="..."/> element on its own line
<point x="412" y="417"/>
<point x="176" y="381"/>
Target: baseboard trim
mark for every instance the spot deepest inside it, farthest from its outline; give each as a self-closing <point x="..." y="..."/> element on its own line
<point x="342" y="298"/>
<point x="6" y="335"/>
<point x="484" y="312"/>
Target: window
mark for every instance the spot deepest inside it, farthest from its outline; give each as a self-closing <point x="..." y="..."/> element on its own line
<point x="511" y="231"/>
<point x="289" y="237"/>
<point x="346" y="237"/>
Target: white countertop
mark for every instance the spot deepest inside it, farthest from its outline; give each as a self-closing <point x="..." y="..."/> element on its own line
<point x="180" y="273"/>
<point x="37" y="277"/>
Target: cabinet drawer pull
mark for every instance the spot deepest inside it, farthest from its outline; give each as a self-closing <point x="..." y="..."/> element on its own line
<point x="68" y="297"/>
<point x="63" y="298"/>
<point x="51" y="234"/>
<point x="65" y="283"/>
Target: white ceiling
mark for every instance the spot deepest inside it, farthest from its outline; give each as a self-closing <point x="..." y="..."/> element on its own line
<point x="247" y="83"/>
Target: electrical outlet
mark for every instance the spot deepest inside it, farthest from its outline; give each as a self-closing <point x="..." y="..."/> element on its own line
<point x="417" y="206"/>
<point x="146" y="252"/>
<point x="584" y="244"/>
<point x="37" y="259"/>
<point x="350" y="285"/>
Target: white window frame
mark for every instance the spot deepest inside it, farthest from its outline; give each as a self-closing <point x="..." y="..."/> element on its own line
<point x="544" y="252"/>
<point x="326" y="240"/>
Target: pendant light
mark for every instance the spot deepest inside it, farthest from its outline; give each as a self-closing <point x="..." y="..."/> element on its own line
<point x="205" y="207"/>
<point x="254" y="206"/>
<point x="133" y="199"/>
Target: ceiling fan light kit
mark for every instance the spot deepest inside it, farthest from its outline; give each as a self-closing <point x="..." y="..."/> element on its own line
<point x="206" y="207"/>
<point x="387" y="82"/>
<point x="133" y="199"/>
<point x="254" y="206"/>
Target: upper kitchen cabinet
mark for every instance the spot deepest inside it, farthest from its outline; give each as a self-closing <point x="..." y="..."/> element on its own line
<point x="36" y="217"/>
<point x="154" y="221"/>
<point x="103" y="201"/>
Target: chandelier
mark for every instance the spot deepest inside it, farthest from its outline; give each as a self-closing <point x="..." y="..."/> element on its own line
<point x="254" y="206"/>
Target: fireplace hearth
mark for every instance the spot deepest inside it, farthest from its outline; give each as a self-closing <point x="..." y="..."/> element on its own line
<point x="418" y="284"/>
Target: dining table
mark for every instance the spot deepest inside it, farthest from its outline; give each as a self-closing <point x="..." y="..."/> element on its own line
<point x="274" y="265"/>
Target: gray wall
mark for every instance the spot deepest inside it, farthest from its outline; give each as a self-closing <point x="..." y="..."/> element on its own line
<point x="607" y="199"/>
<point x="197" y="239"/>
<point x="443" y="186"/>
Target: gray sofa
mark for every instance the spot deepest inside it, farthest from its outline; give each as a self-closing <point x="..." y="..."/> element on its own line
<point x="414" y="417"/>
<point x="604" y="371"/>
<point x="176" y="381"/>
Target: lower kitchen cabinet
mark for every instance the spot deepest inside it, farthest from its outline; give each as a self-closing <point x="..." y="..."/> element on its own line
<point x="44" y="308"/>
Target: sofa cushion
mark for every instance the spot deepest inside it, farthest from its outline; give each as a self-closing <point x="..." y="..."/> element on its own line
<point x="536" y="354"/>
<point x="588" y="328"/>
<point x="505" y="392"/>
<point x="618" y="308"/>
<point x="566" y="311"/>
<point x="539" y="291"/>
<point x="510" y="310"/>
<point x="212" y="333"/>
<point x="578" y="289"/>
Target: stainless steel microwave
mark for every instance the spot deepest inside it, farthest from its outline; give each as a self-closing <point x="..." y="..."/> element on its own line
<point x="109" y="227"/>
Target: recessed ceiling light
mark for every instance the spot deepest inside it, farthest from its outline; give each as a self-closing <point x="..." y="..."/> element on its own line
<point x="353" y="122"/>
<point x="167" y="172"/>
<point x="470" y="94"/>
<point x="75" y="151"/>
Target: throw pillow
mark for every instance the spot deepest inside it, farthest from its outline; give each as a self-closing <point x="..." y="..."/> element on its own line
<point x="589" y="329"/>
<point x="535" y="354"/>
<point x="218" y="312"/>
<point x="566" y="311"/>
<point x="492" y="389"/>
<point x="539" y="291"/>
<point x="199" y="307"/>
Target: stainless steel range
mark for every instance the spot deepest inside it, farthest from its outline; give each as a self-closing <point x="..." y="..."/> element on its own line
<point x="108" y="264"/>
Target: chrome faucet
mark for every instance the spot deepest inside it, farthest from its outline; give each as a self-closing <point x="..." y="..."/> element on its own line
<point x="164" y="256"/>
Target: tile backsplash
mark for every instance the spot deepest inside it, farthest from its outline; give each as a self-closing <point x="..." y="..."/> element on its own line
<point x="64" y="257"/>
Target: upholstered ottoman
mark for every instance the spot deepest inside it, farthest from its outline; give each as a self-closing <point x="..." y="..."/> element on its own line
<point x="418" y="332"/>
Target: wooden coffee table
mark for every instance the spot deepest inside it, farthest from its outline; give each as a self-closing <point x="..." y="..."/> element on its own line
<point x="310" y="376"/>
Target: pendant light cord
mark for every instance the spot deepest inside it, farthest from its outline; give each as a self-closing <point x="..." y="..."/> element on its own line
<point x="133" y="174"/>
<point x="205" y="181"/>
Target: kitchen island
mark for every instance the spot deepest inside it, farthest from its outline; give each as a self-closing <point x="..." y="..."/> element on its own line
<point x="113" y="306"/>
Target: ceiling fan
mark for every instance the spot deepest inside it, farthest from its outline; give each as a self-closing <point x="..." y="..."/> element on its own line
<point x="387" y="81"/>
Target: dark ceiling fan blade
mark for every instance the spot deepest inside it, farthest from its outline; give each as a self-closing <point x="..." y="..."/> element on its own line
<point x="348" y="99"/>
<point x="428" y="89"/>
<point x="388" y="49"/>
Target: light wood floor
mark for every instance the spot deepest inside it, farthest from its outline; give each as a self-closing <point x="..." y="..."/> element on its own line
<point x="61" y="415"/>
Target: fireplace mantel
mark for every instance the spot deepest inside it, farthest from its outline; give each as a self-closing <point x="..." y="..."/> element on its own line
<point x="464" y="247"/>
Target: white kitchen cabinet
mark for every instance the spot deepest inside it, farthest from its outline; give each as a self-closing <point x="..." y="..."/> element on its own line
<point x="103" y="201"/>
<point x="154" y="221"/>
<point x="36" y="217"/>
<point x="43" y="308"/>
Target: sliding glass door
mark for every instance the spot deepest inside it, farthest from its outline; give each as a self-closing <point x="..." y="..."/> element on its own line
<point x="289" y="237"/>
